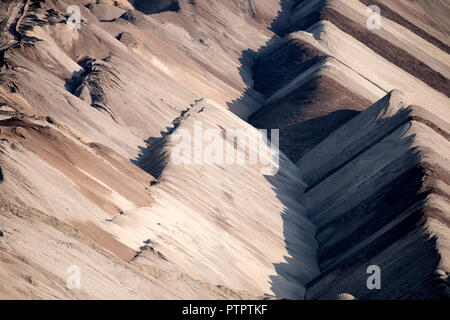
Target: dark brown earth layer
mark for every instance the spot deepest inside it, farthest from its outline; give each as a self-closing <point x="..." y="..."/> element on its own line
<point x="309" y="114"/>
<point x="396" y="17"/>
<point x="384" y="48"/>
<point x="274" y="70"/>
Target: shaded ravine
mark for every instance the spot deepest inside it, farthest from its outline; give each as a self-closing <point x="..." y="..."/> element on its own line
<point x="269" y="74"/>
<point x="308" y="114"/>
<point x="301" y="57"/>
<point x="293" y="274"/>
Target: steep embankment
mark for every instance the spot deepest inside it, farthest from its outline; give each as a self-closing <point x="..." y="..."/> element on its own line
<point x="377" y="180"/>
<point x="240" y="215"/>
<point x="78" y="105"/>
<point x="317" y="79"/>
<point x="378" y="192"/>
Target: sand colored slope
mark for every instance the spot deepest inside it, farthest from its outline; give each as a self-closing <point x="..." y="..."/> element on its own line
<point x="89" y="124"/>
<point x="175" y="51"/>
<point x="225" y="226"/>
<point x="425" y="18"/>
<point x="37" y="249"/>
<point x="232" y="241"/>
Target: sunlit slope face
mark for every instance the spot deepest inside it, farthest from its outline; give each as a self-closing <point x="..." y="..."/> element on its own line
<point x="195" y="53"/>
<point x="145" y="6"/>
<point x="194" y="222"/>
<point x="215" y="203"/>
<point x="81" y="110"/>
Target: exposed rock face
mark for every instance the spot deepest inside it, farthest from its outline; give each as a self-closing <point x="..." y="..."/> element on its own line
<point x="89" y="123"/>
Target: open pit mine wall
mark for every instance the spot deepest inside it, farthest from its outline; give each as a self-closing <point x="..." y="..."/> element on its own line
<point x="88" y="183"/>
<point x="370" y="187"/>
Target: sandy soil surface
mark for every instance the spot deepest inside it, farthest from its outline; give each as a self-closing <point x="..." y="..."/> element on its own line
<point x="89" y="119"/>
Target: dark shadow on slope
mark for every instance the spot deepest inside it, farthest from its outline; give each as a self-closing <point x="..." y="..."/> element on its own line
<point x="270" y="74"/>
<point x="298" y="139"/>
<point x="249" y="58"/>
<point x="280" y="25"/>
<point x="414" y="265"/>
<point x="300" y="267"/>
<point x="153" y="157"/>
<point x="72" y="84"/>
<point x="308" y="114"/>
<point x="278" y="63"/>
<point x="156" y="6"/>
<point x="291" y="59"/>
<point x="395" y="191"/>
<point x="399" y="188"/>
